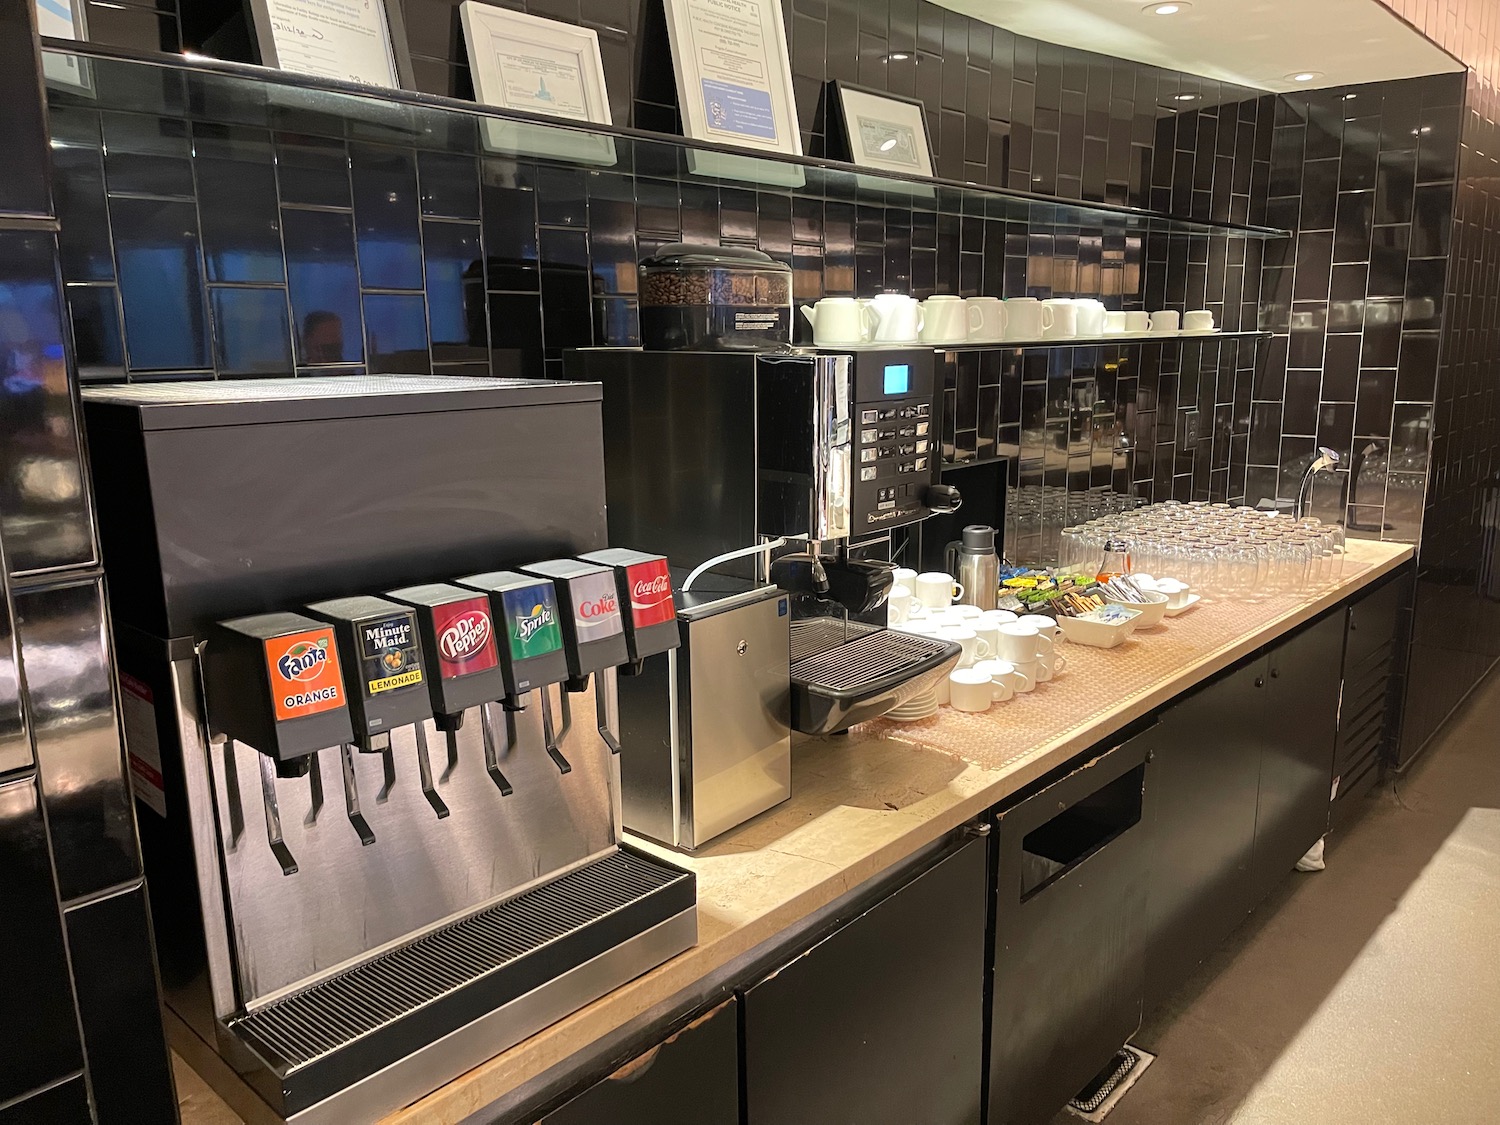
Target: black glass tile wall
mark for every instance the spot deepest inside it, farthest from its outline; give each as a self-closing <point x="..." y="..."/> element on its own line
<point x="1364" y="175"/>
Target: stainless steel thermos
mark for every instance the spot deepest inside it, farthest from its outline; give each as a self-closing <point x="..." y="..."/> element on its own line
<point x="973" y="561"/>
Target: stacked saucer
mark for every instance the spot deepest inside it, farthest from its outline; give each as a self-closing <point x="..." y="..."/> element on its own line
<point x="923" y="705"/>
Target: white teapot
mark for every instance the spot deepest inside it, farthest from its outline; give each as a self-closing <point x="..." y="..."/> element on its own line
<point x="899" y="318"/>
<point x="840" y="321"/>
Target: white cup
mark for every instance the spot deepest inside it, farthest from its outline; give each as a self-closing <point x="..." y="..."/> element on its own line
<point x="1200" y="320"/>
<point x="1049" y="665"/>
<point x="937" y="590"/>
<point x="945" y="319"/>
<point x="904" y="576"/>
<point x="998" y="616"/>
<point x="898" y="605"/>
<point x="966" y="613"/>
<point x="975" y="649"/>
<point x="1043" y="624"/>
<point x="986" y="319"/>
<point x="898" y="318"/>
<point x="988" y="631"/>
<point x="1018" y="643"/>
<point x="1026" y="318"/>
<point x="1004" y="677"/>
<point x="1064" y="324"/>
<point x="1138" y="321"/>
<point x="970" y="690"/>
<point x="1165" y="321"/>
<point x="1046" y="650"/>
<point x="1090" y="316"/>
<point x="1026" y="672"/>
<point x="1177" y="592"/>
<point x="1114" y="323"/>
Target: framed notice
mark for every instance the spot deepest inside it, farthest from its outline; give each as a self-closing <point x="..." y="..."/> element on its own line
<point x="883" y="131"/>
<point x="63" y="19"/>
<point x="349" y="40"/>
<point x="734" y="81"/>
<point x="539" y="66"/>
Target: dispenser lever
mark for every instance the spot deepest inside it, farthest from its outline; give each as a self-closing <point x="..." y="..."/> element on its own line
<point x="491" y="758"/>
<point x="603" y="712"/>
<point x="351" y="797"/>
<point x="550" y="738"/>
<point x="279" y="849"/>
<point x="424" y="770"/>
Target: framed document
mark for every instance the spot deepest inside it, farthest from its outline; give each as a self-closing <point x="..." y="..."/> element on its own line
<point x="882" y="131"/>
<point x="734" y="84"/>
<point x="349" y="40"/>
<point x="540" y="66"/>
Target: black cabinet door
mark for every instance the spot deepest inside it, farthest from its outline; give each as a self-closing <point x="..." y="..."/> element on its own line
<point x="1202" y="787"/>
<point x="1297" y="742"/>
<point x="693" y="1078"/>
<point x="1072" y="865"/>
<point x="882" y="1022"/>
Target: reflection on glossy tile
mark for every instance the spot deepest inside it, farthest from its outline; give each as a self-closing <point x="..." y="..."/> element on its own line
<point x="386" y="217"/>
<point x="450" y="185"/>
<point x="44" y="515"/>
<point x="161" y="285"/>
<point x="251" y="332"/>
<point x="78" y="194"/>
<point x="237" y="204"/>
<point x="312" y="171"/>
<point x="516" y="335"/>
<point x="396" y="334"/>
<point x="80" y="760"/>
<point x="324" y="286"/>
<point x="98" y="346"/>
<point x="456" y="306"/>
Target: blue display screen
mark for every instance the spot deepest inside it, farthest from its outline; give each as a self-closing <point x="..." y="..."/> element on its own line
<point x="897" y="378"/>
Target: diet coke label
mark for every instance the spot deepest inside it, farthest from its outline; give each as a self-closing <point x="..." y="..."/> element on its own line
<point x="465" y="637"/>
<point x="650" y="593"/>
<point x="596" y="607"/>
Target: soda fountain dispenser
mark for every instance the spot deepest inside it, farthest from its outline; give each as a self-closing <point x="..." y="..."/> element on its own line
<point x="284" y="559"/>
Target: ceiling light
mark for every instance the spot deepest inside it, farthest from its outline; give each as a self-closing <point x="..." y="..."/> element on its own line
<point x="1350" y="97"/>
<point x="897" y="56"/>
<point x="1305" y="75"/>
<point x="1184" y="97"/>
<point x="887" y="145"/>
<point x="1168" y="9"/>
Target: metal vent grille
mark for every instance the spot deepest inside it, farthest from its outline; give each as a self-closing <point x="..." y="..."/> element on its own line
<point x="866" y="660"/>
<point x="332" y="1014"/>
<point x="814" y="635"/>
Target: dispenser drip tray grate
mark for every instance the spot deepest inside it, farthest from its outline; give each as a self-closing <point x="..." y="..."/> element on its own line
<point x="841" y="678"/>
<point x="815" y="635"/>
<point x="867" y="660"/>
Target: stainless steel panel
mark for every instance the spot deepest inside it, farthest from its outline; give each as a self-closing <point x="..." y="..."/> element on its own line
<point x="80" y="760"/>
<point x="346" y="900"/>
<point x="833" y="447"/>
<point x="739" y="705"/>
<point x="15" y="746"/>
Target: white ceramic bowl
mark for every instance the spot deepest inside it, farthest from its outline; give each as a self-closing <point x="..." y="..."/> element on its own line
<point x="1103" y="628"/>
<point x="1153" y="609"/>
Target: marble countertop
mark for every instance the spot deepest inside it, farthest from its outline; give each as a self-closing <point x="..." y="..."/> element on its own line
<point x="863" y="803"/>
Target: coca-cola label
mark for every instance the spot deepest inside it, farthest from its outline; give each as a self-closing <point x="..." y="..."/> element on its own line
<point x="596" y="606"/>
<point x="531" y="621"/>
<point x="650" y="593"/>
<point x="465" y="637"/>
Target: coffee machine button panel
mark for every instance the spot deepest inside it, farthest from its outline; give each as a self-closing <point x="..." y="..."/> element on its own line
<point x="867" y="473"/>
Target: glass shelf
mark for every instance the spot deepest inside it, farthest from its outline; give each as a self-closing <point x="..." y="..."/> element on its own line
<point x="227" y="93"/>
<point x="1106" y="341"/>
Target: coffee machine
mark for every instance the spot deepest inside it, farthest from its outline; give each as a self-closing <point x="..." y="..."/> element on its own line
<point x="372" y="716"/>
<point x="760" y="474"/>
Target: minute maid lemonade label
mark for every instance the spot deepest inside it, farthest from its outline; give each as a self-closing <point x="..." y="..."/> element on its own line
<point x="531" y="621"/>
<point x="388" y="651"/>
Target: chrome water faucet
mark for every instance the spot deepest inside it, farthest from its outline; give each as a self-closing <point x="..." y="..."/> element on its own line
<point x="1326" y="459"/>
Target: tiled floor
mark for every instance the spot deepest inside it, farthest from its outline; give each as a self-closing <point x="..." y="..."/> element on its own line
<point x="1368" y="994"/>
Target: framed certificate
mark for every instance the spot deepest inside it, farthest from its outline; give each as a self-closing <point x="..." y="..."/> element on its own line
<point x="881" y="130"/>
<point x="734" y="82"/>
<point x="349" y="40"/>
<point x="540" y="66"/>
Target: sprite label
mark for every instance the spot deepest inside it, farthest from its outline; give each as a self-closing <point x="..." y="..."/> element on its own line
<point x="531" y="621"/>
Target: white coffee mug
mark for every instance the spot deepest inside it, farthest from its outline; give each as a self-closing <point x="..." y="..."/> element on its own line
<point x="998" y="616"/>
<point x="1064" y="324"/>
<point x="1200" y="320"/>
<point x="1048" y="665"/>
<point x="904" y="576"/>
<point x="1138" y="321"/>
<point x="986" y="319"/>
<point x="1026" y="318"/>
<point x="975" y="649"/>
<point x="937" y="590"/>
<point x="1026" y="672"/>
<point x="1001" y="674"/>
<point x="945" y="319"/>
<point x="1047" y="626"/>
<point x="1018" y="643"/>
<point x="1165" y="321"/>
<point x="898" y="605"/>
<point x="988" y="631"/>
<point x="1114" y="323"/>
<point x="970" y="690"/>
<point x="966" y="613"/>
<point x="898" y="318"/>
<point x="1090" y="316"/>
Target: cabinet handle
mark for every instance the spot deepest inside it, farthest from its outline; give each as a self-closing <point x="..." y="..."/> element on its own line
<point x="1260" y="681"/>
<point x="1275" y="673"/>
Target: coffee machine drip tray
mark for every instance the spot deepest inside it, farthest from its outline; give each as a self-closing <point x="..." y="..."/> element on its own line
<point x="844" y="674"/>
<point x="462" y="994"/>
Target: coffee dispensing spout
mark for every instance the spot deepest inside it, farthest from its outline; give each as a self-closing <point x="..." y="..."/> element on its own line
<point x="275" y="682"/>
<point x="385" y="682"/>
